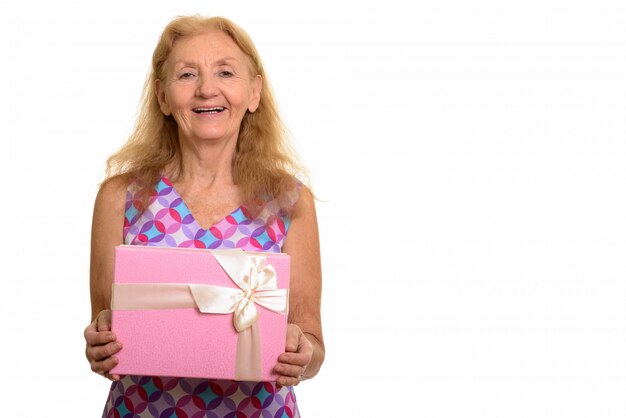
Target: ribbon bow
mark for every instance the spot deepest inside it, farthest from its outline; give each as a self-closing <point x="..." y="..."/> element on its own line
<point x="257" y="285"/>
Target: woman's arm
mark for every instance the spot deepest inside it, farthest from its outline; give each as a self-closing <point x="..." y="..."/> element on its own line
<point x="305" y="345"/>
<point x="106" y="233"/>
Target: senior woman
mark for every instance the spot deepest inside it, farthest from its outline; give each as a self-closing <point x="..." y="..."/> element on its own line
<point x="207" y="166"/>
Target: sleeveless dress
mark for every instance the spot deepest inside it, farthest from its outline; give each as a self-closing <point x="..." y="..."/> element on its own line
<point x="168" y="222"/>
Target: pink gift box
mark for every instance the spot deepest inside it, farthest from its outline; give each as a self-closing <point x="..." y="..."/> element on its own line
<point x="158" y="295"/>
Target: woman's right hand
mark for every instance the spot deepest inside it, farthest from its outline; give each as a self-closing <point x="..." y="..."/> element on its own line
<point x="102" y="344"/>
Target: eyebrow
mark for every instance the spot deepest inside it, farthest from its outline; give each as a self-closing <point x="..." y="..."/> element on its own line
<point x="222" y="61"/>
<point x="226" y="60"/>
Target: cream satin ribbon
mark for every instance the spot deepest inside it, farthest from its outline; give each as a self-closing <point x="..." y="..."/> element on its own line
<point x="256" y="283"/>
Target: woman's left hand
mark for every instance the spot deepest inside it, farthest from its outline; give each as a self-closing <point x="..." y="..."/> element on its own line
<point x="297" y="356"/>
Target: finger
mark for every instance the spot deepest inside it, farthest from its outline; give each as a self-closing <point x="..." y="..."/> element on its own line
<point x="103" y="321"/>
<point x="304" y="345"/>
<point x="287" y="381"/>
<point x="90" y="329"/>
<point x="101" y="352"/>
<point x="112" y="377"/>
<point x="104" y="366"/>
<point x="95" y="338"/>
<point x="293" y="338"/>
<point x="289" y="370"/>
<point x="298" y="359"/>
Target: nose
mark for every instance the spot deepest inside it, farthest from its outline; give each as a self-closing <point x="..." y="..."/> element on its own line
<point x="207" y="87"/>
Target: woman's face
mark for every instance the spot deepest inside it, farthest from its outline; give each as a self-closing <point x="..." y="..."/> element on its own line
<point x="208" y="87"/>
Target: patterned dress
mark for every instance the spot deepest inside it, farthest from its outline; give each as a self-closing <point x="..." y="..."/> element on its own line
<point x="168" y="222"/>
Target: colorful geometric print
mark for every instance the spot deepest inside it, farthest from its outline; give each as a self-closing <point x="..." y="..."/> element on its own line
<point x="168" y="222"/>
<point x="163" y="397"/>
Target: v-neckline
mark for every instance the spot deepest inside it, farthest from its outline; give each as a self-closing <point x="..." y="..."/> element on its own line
<point x="169" y="183"/>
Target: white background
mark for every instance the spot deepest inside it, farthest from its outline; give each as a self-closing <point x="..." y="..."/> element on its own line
<point x="469" y="158"/>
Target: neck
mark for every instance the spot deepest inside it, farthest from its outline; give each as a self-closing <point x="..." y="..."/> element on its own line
<point x="207" y="163"/>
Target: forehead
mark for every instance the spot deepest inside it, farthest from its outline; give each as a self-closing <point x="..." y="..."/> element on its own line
<point x="206" y="47"/>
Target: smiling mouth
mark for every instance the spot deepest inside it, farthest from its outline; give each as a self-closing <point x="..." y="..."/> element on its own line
<point x="200" y="110"/>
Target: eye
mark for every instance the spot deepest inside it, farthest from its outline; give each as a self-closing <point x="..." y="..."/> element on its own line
<point x="186" y="75"/>
<point x="225" y="74"/>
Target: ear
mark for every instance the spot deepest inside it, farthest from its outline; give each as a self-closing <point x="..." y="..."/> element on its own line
<point x="257" y="86"/>
<point x="160" y="93"/>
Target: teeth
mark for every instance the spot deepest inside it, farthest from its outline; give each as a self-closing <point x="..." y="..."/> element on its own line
<point x="208" y="109"/>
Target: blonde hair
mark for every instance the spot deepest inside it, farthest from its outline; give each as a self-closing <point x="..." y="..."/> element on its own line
<point x="264" y="164"/>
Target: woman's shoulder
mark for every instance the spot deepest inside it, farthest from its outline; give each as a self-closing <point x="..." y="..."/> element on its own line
<point x="108" y="213"/>
<point x="113" y="190"/>
<point x="304" y="202"/>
